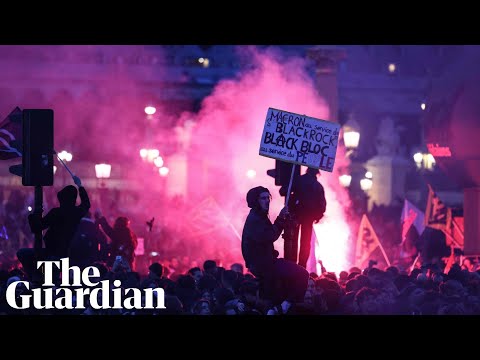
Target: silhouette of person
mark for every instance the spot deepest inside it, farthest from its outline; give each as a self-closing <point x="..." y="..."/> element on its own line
<point x="308" y="204"/>
<point x="61" y="224"/>
<point x="124" y="240"/>
<point x="89" y="244"/>
<point x="281" y="279"/>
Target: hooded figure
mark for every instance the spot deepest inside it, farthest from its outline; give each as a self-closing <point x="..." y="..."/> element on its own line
<point x="124" y="240"/>
<point x="280" y="279"/>
<point x="259" y="233"/>
<point x="61" y="222"/>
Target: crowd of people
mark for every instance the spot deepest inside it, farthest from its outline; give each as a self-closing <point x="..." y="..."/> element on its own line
<point x="264" y="284"/>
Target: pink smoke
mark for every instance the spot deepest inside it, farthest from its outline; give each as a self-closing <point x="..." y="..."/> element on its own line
<point x="228" y="134"/>
<point x="99" y="114"/>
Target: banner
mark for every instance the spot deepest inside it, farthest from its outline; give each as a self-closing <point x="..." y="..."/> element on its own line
<point x="208" y="217"/>
<point x="411" y="215"/>
<point x="300" y="139"/>
<point x="11" y="135"/>
<point x="437" y="215"/>
<point x="367" y="243"/>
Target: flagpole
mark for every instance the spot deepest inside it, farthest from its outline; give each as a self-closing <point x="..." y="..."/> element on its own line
<point x="414" y="262"/>
<point x="457" y="227"/>
<point x="66" y="167"/>
<point x="383" y="251"/>
<point x="378" y="242"/>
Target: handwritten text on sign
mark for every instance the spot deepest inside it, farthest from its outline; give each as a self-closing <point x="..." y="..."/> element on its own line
<point x="300" y="139"/>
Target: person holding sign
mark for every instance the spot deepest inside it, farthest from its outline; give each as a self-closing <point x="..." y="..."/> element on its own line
<point x="308" y="205"/>
<point x="283" y="282"/>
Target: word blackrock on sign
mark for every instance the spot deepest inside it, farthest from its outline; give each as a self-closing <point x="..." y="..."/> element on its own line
<point x="300" y="139"/>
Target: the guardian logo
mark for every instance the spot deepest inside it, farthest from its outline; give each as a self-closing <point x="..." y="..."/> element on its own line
<point x="48" y="297"/>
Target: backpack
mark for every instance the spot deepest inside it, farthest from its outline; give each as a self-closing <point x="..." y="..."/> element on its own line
<point x="310" y="202"/>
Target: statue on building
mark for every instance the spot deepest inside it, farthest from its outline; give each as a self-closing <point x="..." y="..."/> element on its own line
<point x="388" y="138"/>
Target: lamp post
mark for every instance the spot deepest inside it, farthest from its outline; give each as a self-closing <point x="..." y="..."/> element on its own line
<point x="351" y="135"/>
<point x="102" y="171"/>
<point x="149" y="154"/>
<point x="351" y="139"/>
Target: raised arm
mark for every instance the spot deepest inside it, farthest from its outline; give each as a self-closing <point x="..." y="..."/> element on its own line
<point x="106" y="226"/>
<point x="84" y="200"/>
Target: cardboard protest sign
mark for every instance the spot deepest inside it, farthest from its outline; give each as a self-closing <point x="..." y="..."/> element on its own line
<point x="300" y="139"/>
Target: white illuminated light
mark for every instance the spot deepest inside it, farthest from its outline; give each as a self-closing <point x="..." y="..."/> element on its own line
<point x="150" y="110"/>
<point x="143" y="153"/>
<point x="206" y="62"/>
<point x="366" y="184"/>
<point x="392" y="67"/>
<point x="201" y="60"/>
<point x="430" y="161"/>
<point x="345" y="180"/>
<point x="65" y="156"/>
<point x="418" y="158"/>
<point x="152" y="154"/>
<point x="163" y="171"/>
<point x="251" y="173"/>
<point x="102" y="171"/>
<point x="368" y="175"/>
<point x="158" y="161"/>
<point x="423" y="106"/>
<point x="54" y="169"/>
<point x="29" y="208"/>
<point x="154" y="253"/>
<point x="351" y="139"/>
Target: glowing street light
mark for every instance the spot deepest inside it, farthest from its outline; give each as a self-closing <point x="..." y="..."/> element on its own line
<point x="163" y="171"/>
<point x="351" y="135"/>
<point x="102" y="171"/>
<point x="345" y="180"/>
<point x="150" y="110"/>
<point x="149" y="154"/>
<point x="366" y="184"/>
<point x="158" y="161"/>
<point x="65" y="156"/>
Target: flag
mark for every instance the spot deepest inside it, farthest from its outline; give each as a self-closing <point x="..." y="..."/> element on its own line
<point x="11" y="135"/>
<point x="450" y="262"/>
<point x="367" y="243"/>
<point x="458" y="231"/>
<point x="411" y="215"/>
<point x="437" y="215"/>
<point x="208" y="217"/>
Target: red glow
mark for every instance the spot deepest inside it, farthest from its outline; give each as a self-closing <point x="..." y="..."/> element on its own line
<point x="439" y="151"/>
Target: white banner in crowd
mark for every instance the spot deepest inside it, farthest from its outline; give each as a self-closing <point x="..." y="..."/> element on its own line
<point x="300" y="139"/>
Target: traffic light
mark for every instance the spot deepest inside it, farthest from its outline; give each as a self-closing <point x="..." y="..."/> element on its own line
<point x="282" y="172"/>
<point x="36" y="147"/>
<point x="37" y="158"/>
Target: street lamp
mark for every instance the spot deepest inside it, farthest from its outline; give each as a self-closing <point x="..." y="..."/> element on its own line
<point x="149" y="154"/>
<point x="65" y="156"/>
<point x="164" y="171"/>
<point x="345" y="180"/>
<point x="366" y="184"/>
<point x="351" y="135"/>
<point x="424" y="160"/>
<point x="102" y="171"/>
<point x="150" y="110"/>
